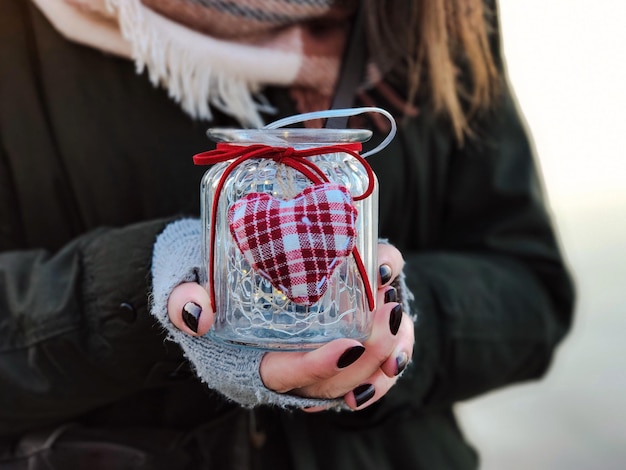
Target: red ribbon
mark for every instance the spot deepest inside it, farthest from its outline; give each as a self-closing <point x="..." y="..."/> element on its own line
<point x="293" y="158"/>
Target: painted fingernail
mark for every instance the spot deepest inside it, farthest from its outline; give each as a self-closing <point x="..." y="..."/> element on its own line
<point x="385" y="273"/>
<point x="350" y="356"/>
<point x="391" y="295"/>
<point x="363" y="393"/>
<point x="395" y="318"/>
<point x="191" y="315"/>
<point x="401" y="361"/>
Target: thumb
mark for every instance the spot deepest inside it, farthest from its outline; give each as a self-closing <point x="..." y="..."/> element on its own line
<point x="189" y="309"/>
<point x="286" y="371"/>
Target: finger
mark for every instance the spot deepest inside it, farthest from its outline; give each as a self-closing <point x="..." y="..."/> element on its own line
<point x="370" y="391"/>
<point x="287" y="371"/>
<point x="403" y="352"/>
<point x="390" y="262"/>
<point x="405" y="335"/>
<point x="189" y="309"/>
<point x="380" y="345"/>
<point x="378" y="348"/>
<point x="314" y="409"/>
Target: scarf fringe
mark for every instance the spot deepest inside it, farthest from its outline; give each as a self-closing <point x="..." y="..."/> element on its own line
<point x="195" y="77"/>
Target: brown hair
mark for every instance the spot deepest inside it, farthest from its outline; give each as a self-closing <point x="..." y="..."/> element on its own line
<point x="429" y="42"/>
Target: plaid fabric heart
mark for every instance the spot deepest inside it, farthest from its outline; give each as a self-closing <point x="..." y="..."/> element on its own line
<point x="296" y="244"/>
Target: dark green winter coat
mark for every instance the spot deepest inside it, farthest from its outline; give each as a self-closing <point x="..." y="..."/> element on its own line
<point x="94" y="161"/>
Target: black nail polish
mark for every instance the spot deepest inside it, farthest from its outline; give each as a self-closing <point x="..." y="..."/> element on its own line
<point x="391" y="295"/>
<point x="385" y="273"/>
<point x="350" y="356"/>
<point x="363" y="393"/>
<point x="191" y="315"/>
<point x="401" y="362"/>
<point x="395" y="318"/>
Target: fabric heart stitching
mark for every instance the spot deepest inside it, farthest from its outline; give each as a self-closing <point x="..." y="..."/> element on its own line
<point x="296" y="244"/>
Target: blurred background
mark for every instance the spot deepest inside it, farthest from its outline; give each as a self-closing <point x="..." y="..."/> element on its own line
<point x="566" y="62"/>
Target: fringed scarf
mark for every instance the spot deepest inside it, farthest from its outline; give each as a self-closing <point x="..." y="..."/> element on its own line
<point x="219" y="54"/>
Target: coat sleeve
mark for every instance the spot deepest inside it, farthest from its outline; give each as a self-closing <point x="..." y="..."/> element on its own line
<point x="494" y="296"/>
<point x="74" y="328"/>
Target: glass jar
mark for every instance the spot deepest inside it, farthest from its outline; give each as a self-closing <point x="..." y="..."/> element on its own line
<point x="249" y="309"/>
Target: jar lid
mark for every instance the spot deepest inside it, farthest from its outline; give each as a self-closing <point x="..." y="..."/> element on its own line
<point x="289" y="136"/>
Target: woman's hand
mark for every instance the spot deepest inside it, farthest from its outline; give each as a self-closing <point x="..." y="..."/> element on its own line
<point x="360" y="372"/>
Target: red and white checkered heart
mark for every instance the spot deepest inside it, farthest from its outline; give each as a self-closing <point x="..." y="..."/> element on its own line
<point x="296" y="244"/>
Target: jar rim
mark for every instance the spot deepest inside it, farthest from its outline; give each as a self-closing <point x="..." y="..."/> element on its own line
<point x="288" y="136"/>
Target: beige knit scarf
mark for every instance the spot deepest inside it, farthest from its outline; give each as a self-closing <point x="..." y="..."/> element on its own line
<point x="218" y="54"/>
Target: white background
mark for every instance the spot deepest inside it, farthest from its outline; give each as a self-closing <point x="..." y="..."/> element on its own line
<point x="566" y="62"/>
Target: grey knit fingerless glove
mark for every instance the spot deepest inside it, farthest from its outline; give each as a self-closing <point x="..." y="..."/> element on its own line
<point x="232" y="371"/>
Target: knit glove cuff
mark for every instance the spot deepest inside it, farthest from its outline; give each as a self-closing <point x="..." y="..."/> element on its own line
<point x="232" y="371"/>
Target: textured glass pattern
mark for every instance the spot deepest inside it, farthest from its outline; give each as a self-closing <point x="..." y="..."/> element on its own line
<point x="252" y="312"/>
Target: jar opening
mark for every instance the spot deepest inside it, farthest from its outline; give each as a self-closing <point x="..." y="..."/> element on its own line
<point x="288" y="136"/>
